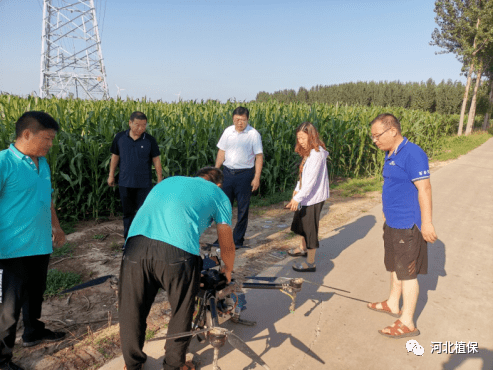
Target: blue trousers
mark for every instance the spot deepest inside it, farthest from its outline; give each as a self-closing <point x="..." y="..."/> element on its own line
<point x="132" y="199"/>
<point x="237" y="185"/>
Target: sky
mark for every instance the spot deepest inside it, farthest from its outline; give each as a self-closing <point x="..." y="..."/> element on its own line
<point x="213" y="49"/>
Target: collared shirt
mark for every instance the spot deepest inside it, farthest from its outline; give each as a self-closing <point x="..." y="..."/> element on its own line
<point x="179" y="209"/>
<point x="407" y="164"/>
<point x="25" y="204"/>
<point x="136" y="157"/>
<point x="315" y="181"/>
<point x="240" y="147"/>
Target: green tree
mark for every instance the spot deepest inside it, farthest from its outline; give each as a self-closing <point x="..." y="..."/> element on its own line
<point x="465" y="29"/>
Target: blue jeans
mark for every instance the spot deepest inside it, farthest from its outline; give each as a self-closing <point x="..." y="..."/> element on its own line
<point x="132" y="199"/>
<point x="237" y="185"/>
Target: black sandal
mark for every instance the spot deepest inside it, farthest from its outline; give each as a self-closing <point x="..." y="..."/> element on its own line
<point x="299" y="267"/>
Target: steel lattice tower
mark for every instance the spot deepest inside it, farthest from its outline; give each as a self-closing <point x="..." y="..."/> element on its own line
<point x="71" y="58"/>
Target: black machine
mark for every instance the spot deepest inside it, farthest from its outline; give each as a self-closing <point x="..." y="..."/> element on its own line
<point x="218" y="302"/>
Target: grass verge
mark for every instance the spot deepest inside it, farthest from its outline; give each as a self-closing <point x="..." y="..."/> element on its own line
<point x="353" y="187"/>
<point x="454" y="146"/>
<point x="451" y="148"/>
<point x="57" y="281"/>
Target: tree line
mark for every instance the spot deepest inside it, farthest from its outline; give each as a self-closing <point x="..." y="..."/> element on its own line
<point x="465" y="29"/>
<point x="444" y="98"/>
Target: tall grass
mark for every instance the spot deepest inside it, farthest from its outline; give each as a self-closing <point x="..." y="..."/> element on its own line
<point x="187" y="134"/>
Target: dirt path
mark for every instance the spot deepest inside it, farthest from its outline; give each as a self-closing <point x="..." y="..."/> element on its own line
<point x="90" y="316"/>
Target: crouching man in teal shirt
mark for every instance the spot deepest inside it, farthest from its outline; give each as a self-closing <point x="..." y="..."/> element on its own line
<point x="162" y="251"/>
<point x="28" y="228"/>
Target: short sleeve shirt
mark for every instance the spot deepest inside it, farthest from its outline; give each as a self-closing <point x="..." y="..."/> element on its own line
<point x="409" y="163"/>
<point x="240" y="147"/>
<point x="136" y="157"/>
<point x="25" y="204"/>
<point x="179" y="209"/>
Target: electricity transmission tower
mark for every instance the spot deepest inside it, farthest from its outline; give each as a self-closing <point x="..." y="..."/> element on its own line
<point x="71" y="58"/>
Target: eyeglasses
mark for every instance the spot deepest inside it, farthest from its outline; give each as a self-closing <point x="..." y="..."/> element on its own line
<point x="238" y="120"/>
<point x="376" y="137"/>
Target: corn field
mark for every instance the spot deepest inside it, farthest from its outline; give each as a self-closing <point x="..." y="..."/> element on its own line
<point x="187" y="134"/>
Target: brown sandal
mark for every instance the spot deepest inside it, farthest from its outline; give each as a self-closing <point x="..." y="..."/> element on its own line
<point x="398" y="330"/>
<point x="385" y="308"/>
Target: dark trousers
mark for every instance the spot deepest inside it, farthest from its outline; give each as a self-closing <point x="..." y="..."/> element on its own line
<point x="23" y="282"/>
<point x="237" y="185"/>
<point x="148" y="265"/>
<point x="132" y="199"/>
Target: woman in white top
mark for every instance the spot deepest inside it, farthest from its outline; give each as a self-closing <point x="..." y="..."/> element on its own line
<point x="310" y="193"/>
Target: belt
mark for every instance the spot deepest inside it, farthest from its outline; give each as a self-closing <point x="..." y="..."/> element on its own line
<point x="240" y="170"/>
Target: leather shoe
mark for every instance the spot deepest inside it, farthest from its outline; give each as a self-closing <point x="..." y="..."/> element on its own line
<point x="10" y="366"/>
<point x="46" y="336"/>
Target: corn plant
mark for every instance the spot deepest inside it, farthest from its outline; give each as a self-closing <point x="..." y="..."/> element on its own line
<point x="187" y="134"/>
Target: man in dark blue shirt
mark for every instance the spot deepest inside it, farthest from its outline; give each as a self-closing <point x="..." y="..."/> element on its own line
<point x="407" y="211"/>
<point x="134" y="150"/>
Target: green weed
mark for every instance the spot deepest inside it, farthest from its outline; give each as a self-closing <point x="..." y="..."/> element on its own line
<point x="57" y="281"/>
<point x="64" y="250"/>
<point x="150" y="333"/>
<point x="115" y="247"/>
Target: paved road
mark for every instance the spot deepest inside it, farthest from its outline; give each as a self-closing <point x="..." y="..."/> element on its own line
<point x="332" y="330"/>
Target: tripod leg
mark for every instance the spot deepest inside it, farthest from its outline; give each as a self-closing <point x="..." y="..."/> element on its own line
<point x="215" y="360"/>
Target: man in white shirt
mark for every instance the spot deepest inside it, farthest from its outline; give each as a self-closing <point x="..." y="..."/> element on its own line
<point x="240" y="152"/>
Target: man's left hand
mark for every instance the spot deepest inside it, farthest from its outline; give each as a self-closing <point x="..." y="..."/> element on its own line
<point x="58" y="236"/>
<point x="428" y="232"/>
<point x="255" y="184"/>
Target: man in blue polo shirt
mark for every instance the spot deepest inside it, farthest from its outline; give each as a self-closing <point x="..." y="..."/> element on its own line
<point x="134" y="150"/>
<point x="407" y="210"/>
<point x="162" y="251"/>
<point x="240" y="153"/>
<point x="28" y="228"/>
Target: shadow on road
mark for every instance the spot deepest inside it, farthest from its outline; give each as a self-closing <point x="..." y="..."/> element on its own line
<point x="269" y="307"/>
<point x="457" y="359"/>
<point x="348" y="234"/>
<point x="436" y="254"/>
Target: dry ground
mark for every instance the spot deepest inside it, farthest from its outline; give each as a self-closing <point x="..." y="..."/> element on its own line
<point x="90" y="316"/>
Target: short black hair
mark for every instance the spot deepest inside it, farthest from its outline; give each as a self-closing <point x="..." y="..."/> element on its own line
<point x="240" y="111"/>
<point x="35" y="121"/>
<point x="138" y="115"/>
<point x="213" y="174"/>
<point x="388" y="121"/>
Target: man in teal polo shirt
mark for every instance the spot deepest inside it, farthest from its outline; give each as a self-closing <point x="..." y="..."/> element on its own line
<point x="162" y="251"/>
<point x="407" y="210"/>
<point x="28" y="228"/>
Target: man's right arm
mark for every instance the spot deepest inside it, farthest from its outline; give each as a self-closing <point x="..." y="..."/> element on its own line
<point x="220" y="158"/>
<point x="227" y="247"/>
<point x="113" y="166"/>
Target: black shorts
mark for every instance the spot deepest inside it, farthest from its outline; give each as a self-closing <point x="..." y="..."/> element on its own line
<point x="405" y="251"/>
